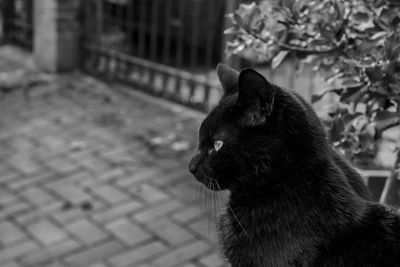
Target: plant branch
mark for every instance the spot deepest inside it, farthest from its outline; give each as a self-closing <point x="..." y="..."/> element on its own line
<point x="291" y="47"/>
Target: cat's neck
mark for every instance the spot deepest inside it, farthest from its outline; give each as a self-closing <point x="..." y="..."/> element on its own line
<point x="319" y="191"/>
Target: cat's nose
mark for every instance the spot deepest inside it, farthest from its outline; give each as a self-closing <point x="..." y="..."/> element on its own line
<point x="194" y="162"/>
<point x="192" y="167"/>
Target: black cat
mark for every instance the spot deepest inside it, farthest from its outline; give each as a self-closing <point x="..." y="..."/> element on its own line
<point x="293" y="200"/>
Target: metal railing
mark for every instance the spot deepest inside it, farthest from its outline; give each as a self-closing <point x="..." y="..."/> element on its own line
<point x="17" y="22"/>
<point x="165" y="47"/>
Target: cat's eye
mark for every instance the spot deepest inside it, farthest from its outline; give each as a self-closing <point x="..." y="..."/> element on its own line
<point x="218" y="144"/>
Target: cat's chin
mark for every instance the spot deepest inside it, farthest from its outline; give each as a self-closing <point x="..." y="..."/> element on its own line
<point x="210" y="183"/>
<point x="213" y="187"/>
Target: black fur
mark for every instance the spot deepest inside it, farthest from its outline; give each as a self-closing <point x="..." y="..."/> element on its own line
<point x="293" y="200"/>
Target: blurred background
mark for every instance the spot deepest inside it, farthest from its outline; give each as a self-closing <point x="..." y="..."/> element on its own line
<point x="101" y="100"/>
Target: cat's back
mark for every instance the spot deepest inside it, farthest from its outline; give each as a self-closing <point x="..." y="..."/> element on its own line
<point x="373" y="241"/>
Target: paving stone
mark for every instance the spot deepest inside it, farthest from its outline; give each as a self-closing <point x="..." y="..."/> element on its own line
<point x="88" y="152"/>
<point x="11" y="264"/>
<point x="188" y="213"/>
<point x="109" y="193"/>
<point x="172" y="178"/>
<point x="38" y="196"/>
<point x="157" y="211"/>
<point x="21" y="182"/>
<point x="191" y="265"/>
<point x="22" y="144"/>
<point x="8" y="176"/>
<point x="10" y="232"/>
<point x="95" y="253"/>
<point x="86" y="231"/>
<point x="100" y="264"/>
<point x="83" y="179"/>
<point x="115" y="153"/>
<point x="169" y="231"/>
<point x="6" y="196"/>
<point x="137" y="176"/>
<point x="186" y="192"/>
<point x="148" y="193"/>
<point x="128" y="232"/>
<point x="69" y="191"/>
<point x="34" y="215"/>
<point x="24" y="164"/>
<point x="61" y="164"/>
<point x="182" y="254"/>
<point x="17" y="250"/>
<point x="55" y="263"/>
<point x="132" y="257"/>
<point x="213" y="259"/>
<point x="67" y="216"/>
<point x="46" y="231"/>
<point x="52" y="142"/>
<point x="205" y="228"/>
<point x="112" y="174"/>
<point x="115" y="212"/>
<point x="94" y="164"/>
<point x="13" y="208"/>
<point x="49" y="253"/>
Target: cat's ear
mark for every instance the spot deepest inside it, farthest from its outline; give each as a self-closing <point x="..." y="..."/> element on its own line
<point x="256" y="97"/>
<point x="228" y="78"/>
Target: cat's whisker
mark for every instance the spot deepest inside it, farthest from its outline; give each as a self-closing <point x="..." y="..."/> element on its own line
<point x="201" y="201"/>
<point x="212" y="204"/>
<point x="215" y="202"/>
<point x="209" y="210"/>
<point x="210" y="219"/>
<point x="204" y="197"/>
<point x="230" y="227"/>
<point x="234" y="215"/>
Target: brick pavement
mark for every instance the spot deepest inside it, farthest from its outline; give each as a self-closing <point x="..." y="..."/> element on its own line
<point x="86" y="179"/>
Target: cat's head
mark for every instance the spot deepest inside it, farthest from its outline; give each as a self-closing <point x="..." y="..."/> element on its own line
<point x="256" y="131"/>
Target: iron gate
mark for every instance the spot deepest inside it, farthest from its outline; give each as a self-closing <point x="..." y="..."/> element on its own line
<point x="17" y="22"/>
<point x="166" y="47"/>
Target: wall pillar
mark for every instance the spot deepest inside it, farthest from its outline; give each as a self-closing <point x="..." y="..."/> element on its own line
<point x="56" y="35"/>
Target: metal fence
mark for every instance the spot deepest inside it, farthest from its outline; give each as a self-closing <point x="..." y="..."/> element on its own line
<point x="17" y="22"/>
<point x="166" y="47"/>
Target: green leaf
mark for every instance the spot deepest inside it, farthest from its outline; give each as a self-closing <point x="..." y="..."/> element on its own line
<point x="247" y="14"/>
<point x="350" y="144"/>
<point x="360" y="17"/>
<point x="385" y="119"/>
<point x="374" y="74"/>
<point x="395" y="50"/>
<point x="317" y="97"/>
<point x="382" y="24"/>
<point x="277" y="60"/>
<point x="231" y="30"/>
<point x="379" y="35"/>
<point x="383" y="115"/>
<point x="352" y="94"/>
<point x="367" y="137"/>
<point x="336" y="131"/>
<point x="391" y="45"/>
<point x="395" y="86"/>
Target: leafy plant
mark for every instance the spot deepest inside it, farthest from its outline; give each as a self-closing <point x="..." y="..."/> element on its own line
<point x="357" y="42"/>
